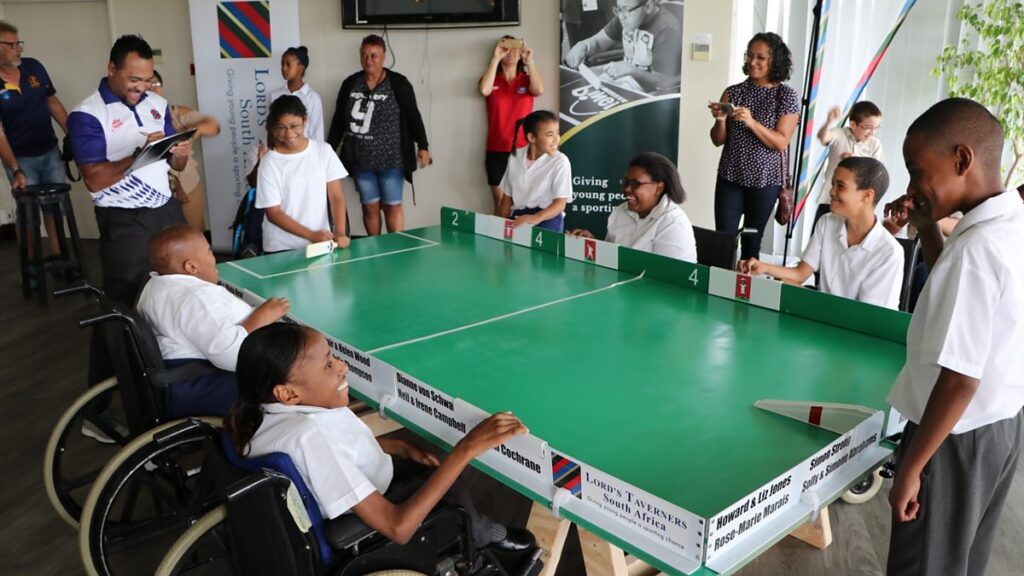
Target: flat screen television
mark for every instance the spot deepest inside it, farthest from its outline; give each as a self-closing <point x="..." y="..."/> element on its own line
<point x="429" y="13"/>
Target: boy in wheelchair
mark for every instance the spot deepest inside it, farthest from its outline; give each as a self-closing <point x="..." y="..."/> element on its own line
<point x="293" y="398"/>
<point x="195" y="319"/>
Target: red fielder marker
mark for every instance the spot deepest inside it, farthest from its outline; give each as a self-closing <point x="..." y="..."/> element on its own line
<point x="509" y="227"/>
<point x="743" y="286"/>
<point x="815" y="416"/>
<point x="590" y="250"/>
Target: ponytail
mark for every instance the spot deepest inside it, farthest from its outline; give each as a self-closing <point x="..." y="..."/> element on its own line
<point x="531" y="123"/>
<point x="264" y="361"/>
<point x="515" y="134"/>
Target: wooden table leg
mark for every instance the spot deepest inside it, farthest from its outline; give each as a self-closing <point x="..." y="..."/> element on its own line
<point x="550" y="533"/>
<point x="817" y="533"/>
<point x="601" y="558"/>
<point x="379" y="426"/>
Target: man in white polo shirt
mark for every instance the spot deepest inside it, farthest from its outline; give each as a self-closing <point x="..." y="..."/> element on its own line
<point x="106" y="130"/>
<point x="961" y="387"/>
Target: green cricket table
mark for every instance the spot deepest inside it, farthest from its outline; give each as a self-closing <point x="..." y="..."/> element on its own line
<point x="636" y="375"/>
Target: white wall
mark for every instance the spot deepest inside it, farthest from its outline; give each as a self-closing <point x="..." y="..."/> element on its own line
<point x="703" y="81"/>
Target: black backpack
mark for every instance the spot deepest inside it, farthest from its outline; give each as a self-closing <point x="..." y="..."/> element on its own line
<point x="247" y="229"/>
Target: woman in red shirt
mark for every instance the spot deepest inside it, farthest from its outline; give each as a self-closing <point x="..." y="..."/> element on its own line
<point x="509" y="84"/>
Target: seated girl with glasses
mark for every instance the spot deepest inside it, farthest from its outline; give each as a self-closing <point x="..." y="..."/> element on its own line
<point x="650" y="219"/>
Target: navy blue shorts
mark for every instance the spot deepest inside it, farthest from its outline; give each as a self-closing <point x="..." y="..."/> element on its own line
<point x="207" y="395"/>
<point x="556" y="224"/>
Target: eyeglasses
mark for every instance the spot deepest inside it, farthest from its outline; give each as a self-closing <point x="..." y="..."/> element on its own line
<point x="631" y="184"/>
<point x="627" y="11"/>
<point x="749" y="56"/>
<point x="868" y="127"/>
<point x="15" y="45"/>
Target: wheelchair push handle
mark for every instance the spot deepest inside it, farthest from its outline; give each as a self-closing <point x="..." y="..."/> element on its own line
<point x="83" y="288"/>
<point x="103" y="318"/>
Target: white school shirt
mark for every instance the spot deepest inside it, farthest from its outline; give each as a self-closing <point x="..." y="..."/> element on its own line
<point x="298" y="184"/>
<point x="337" y="455"/>
<point x="844" y="142"/>
<point x="547" y="179"/>
<point x="970" y="318"/>
<point x="870" y="272"/>
<point x="666" y="230"/>
<point x="314" y="109"/>
<point x="193" y="318"/>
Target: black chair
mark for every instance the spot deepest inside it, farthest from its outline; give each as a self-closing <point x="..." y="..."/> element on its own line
<point x="31" y="203"/>
<point x="911" y="257"/>
<point x="715" y="248"/>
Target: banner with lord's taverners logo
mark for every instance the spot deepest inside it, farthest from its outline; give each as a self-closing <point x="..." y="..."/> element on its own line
<point x="617" y="101"/>
<point x="237" y="47"/>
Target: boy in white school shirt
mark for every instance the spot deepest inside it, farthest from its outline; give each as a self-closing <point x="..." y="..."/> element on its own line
<point x="961" y="387"/>
<point x="195" y="319"/>
<point x="857" y="257"/>
<point x="856" y="139"/>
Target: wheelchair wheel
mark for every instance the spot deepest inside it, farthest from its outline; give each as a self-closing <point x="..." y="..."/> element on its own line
<point x="143" y="499"/>
<point x="201" y="549"/>
<point x="72" y="462"/>
<point x="864" y="490"/>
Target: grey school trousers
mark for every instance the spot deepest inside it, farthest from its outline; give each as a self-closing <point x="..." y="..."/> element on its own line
<point x="963" y="488"/>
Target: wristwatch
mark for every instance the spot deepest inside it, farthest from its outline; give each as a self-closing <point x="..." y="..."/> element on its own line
<point x="17" y="169"/>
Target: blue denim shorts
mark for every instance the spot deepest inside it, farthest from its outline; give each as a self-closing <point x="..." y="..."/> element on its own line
<point x="45" y="169"/>
<point x="385" y="186"/>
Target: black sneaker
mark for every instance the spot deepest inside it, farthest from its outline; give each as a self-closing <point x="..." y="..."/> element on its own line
<point x="516" y="540"/>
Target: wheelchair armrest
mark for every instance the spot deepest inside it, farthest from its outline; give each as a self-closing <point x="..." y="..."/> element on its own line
<point x="346" y="531"/>
<point x="254" y="482"/>
<point x="184" y="427"/>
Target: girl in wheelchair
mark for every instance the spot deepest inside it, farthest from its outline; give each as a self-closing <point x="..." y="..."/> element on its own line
<point x="293" y="398"/>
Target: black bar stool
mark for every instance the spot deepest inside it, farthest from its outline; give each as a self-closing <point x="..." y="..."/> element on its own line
<point x="31" y="202"/>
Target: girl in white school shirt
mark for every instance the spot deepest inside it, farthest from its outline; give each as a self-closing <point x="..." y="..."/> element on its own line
<point x="293" y="398"/>
<point x="538" y="182"/>
<point x="299" y="181"/>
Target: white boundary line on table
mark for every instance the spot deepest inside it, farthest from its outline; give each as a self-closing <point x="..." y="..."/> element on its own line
<point x="429" y="244"/>
<point x="509" y="315"/>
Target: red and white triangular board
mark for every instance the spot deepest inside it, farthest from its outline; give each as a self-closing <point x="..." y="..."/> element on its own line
<point x="839" y="418"/>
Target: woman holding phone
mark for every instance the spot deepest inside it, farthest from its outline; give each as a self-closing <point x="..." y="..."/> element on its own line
<point x="755" y="133"/>
<point x="510" y="83"/>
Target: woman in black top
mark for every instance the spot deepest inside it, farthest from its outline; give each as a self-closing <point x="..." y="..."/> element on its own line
<point x="380" y="130"/>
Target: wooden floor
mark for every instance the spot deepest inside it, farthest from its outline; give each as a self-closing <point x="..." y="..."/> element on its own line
<point x="44" y="358"/>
